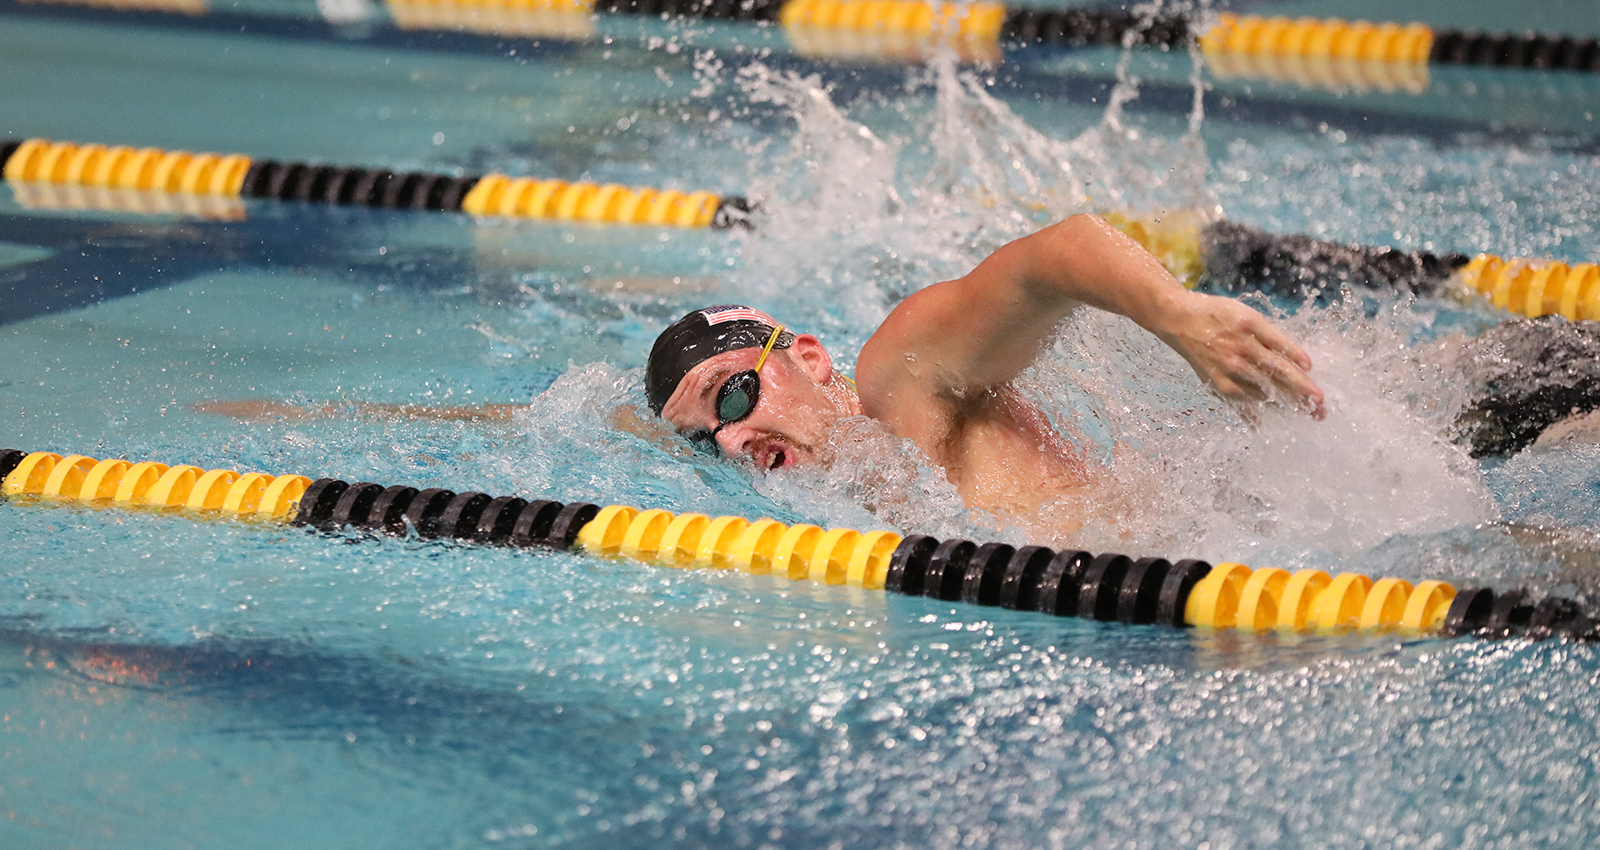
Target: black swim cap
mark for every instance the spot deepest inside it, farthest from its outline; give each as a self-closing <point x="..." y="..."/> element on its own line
<point x="699" y="336"/>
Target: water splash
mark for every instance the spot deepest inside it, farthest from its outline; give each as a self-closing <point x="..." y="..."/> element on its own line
<point x="878" y="480"/>
<point x="1185" y="473"/>
<point x="870" y="216"/>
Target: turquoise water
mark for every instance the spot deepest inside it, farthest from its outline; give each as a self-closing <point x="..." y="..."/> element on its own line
<point x="167" y="682"/>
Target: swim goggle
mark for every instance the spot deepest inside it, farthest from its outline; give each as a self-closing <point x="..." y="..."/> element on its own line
<point x="737" y="397"/>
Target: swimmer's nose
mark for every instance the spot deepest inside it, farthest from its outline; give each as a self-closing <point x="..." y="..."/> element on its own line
<point x="735" y="439"/>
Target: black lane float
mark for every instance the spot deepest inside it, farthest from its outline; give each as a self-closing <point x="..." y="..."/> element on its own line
<point x="1066" y="583"/>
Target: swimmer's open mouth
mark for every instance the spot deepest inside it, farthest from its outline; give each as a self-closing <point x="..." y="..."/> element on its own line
<point x="772" y="454"/>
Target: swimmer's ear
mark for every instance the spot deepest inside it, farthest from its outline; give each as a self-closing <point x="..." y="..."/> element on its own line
<point x="807" y="353"/>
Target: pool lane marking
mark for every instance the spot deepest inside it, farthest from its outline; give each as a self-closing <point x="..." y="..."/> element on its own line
<point x="1363" y="54"/>
<point x="120" y="177"/>
<point x="119" y="170"/>
<point x="1360" y="52"/>
<point x="1106" y="587"/>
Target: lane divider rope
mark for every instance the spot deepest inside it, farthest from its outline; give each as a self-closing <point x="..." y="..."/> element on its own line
<point x="41" y="162"/>
<point x="1361" y="41"/>
<point x="42" y="172"/>
<point x="978" y="21"/>
<point x="1322" y="72"/>
<point x="151" y="180"/>
<point x="893" y="30"/>
<point x="1337" y="54"/>
<point x="985" y="23"/>
<point x="1531" y="287"/>
<point x="569" y="20"/>
<point x="1066" y="583"/>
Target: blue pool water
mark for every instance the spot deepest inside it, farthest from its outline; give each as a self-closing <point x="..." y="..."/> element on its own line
<point x="167" y="682"/>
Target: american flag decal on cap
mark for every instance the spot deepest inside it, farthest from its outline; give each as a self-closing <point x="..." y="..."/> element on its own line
<point x="735" y="313"/>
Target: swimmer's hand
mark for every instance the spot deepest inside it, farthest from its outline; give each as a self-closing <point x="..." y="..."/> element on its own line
<point x="265" y="410"/>
<point x="1234" y="349"/>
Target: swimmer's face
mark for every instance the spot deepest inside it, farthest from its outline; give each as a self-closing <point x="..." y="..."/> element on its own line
<point x="792" y="418"/>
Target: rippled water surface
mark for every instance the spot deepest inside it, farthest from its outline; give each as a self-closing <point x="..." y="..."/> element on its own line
<point x="168" y="681"/>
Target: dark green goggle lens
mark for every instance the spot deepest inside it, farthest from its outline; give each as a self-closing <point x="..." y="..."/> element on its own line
<point x="737" y="397"/>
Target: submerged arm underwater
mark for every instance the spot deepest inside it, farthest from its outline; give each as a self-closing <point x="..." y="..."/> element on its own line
<point x="262" y="410"/>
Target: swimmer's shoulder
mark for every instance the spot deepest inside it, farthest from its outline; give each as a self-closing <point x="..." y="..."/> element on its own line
<point x="899" y="382"/>
<point x="896" y="353"/>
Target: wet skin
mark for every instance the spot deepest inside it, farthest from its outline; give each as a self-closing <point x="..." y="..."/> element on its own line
<point x="940" y="368"/>
<point x="1003" y="440"/>
<point x="801" y="399"/>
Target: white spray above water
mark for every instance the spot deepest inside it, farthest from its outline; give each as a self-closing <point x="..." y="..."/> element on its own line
<point x="856" y="219"/>
<point x="1188" y="474"/>
<point x="864" y="221"/>
<point x="861" y="218"/>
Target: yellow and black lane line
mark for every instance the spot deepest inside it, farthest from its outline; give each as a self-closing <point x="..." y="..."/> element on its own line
<point x="1532" y="287"/>
<point x="42" y="162"/>
<point x="1360" y="55"/>
<point x="127" y="178"/>
<point x="1244" y="258"/>
<point x="1220" y="37"/>
<point x="1106" y="587"/>
<point x="1311" y="51"/>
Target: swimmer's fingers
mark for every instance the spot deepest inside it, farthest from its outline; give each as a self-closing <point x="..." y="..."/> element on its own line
<point x="1241" y="354"/>
<point x="1286" y="373"/>
<point x="1238" y="389"/>
<point x="1279" y="342"/>
<point x="1260" y="359"/>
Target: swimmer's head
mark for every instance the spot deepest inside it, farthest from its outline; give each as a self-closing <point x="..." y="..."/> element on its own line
<point x="733" y="375"/>
<point x="699" y="336"/>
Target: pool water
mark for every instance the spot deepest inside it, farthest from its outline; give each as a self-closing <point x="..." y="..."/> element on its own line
<point x="173" y="682"/>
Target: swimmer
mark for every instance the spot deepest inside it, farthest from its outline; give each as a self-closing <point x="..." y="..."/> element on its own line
<point x="939" y="370"/>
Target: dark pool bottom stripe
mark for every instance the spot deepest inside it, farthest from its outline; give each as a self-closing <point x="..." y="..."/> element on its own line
<point x="1107" y="587"/>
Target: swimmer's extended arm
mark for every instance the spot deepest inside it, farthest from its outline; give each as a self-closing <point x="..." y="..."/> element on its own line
<point x="979" y="332"/>
<point x="260" y="410"/>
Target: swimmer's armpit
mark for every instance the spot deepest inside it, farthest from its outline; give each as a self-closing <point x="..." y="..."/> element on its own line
<point x="266" y="410"/>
